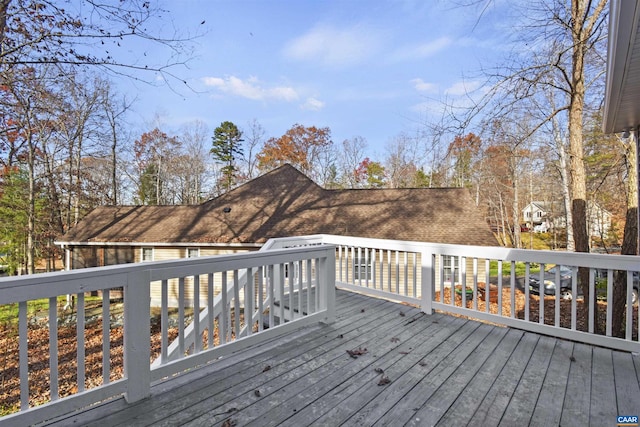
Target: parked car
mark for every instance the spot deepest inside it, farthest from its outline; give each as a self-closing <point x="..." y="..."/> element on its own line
<point x="541" y="228"/>
<point x="549" y="283"/>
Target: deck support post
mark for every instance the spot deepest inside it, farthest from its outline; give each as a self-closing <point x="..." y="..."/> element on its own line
<point x="328" y="283"/>
<point x="427" y="281"/>
<point x="137" y="347"/>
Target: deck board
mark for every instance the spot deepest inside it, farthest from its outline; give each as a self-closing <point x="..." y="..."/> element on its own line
<point x="446" y="395"/>
<point x="521" y="406"/>
<point x="396" y="392"/>
<point x="443" y="370"/>
<point x="431" y="382"/>
<point x="244" y="378"/>
<point x="462" y="411"/>
<point x="338" y="405"/>
<point x="497" y="399"/>
<point x="311" y="365"/>
<point x="575" y="409"/>
<point x="627" y="386"/>
<point x="547" y="411"/>
<point x="602" y="384"/>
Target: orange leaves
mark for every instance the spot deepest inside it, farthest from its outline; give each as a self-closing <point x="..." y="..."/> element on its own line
<point x="470" y="143"/>
<point x="299" y="146"/>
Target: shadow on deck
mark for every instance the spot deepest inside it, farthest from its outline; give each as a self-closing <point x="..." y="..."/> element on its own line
<point x="405" y="368"/>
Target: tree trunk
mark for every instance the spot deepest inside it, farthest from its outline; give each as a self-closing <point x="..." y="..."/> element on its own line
<point x="630" y="239"/>
<point x="31" y="210"/>
<point x="576" y="149"/>
<point x="517" y="243"/>
<point x="114" y="165"/>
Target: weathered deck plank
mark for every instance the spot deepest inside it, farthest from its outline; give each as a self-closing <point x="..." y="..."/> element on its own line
<point x="602" y="384"/>
<point x="575" y="409"/>
<point x="443" y="370"/>
<point x="397" y="391"/>
<point x="338" y="405"/>
<point x="627" y="386"/>
<point x="276" y="385"/>
<point x="462" y="411"/>
<point x="497" y="399"/>
<point x="434" y="381"/>
<point x="343" y="368"/>
<point x="446" y="395"/>
<point x="521" y="405"/>
<point x="548" y="411"/>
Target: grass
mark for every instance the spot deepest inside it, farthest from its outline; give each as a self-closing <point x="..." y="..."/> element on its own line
<point x="506" y="268"/>
<point x="9" y="312"/>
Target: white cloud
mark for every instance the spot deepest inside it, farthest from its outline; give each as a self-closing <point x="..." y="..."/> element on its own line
<point x="422" y="86"/>
<point x="251" y="88"/>
<point x="313" y="104"/>
<point x="422" y="50"/>
<point x="462" y="88"/>
<point x="332" y="46"/>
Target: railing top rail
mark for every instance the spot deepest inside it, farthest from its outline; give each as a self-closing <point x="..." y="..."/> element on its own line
<point x="579" y="259"/>
<point x="22" y="288"/>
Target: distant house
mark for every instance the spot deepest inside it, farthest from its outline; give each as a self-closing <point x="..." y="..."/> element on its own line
<point x="544" y="216"/>
<point x="537" y="214"/>
<point x="281" y="203"/>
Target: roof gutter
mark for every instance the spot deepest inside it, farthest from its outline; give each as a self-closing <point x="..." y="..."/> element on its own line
<point x="623" y="22"/>
<point x="160" y="244"/>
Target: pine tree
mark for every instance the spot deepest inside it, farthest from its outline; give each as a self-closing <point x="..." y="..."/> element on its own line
<point x="226" y="148"/>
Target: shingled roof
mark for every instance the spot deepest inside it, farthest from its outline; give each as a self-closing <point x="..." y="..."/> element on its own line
<point x="284" y="202"/>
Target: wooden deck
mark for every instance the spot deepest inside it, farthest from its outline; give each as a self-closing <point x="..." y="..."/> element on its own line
<point x="441" y="370"/>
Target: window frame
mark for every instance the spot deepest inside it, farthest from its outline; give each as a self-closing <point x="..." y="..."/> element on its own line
<point x="144" y="250"/>
<point x="363" y="266"/>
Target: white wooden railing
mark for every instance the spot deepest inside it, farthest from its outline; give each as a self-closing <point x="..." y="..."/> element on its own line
<point x="263" y="295"/>
<point x="418" y="273"/>
<point x="289" y="283"/>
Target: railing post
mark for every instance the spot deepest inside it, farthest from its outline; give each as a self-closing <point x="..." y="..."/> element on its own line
<point x="427" y="277"/>
<point x="137" y="351"/>
<point x="328" y="283"/>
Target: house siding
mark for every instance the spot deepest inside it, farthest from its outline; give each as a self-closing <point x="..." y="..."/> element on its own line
<point x="172" y="253"/>
<point x="392" y="272"/>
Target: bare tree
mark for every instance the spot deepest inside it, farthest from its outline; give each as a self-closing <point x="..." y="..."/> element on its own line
<point x="114" y="108"/>
<point x="561" y="49"/>
<point x="353" y="152"/>
<point x="254" y="138"/>
<point x="92" y="33"/>
<point x="403" y="156"/>
<point x="195" y="137"/>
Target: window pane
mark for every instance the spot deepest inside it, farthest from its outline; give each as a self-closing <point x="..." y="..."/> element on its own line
<point x="147" y="254"/>
<point x="193" y="252"/>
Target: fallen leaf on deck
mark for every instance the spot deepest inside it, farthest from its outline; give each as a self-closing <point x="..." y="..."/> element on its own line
<point x="394" y="339"/>
<point x="266" y="368"/>
<point x="384" y="380"/>
<point x="357" y="352"/>
<point x="379" y="370"/>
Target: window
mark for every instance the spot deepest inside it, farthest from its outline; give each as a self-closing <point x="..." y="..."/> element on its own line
<point x="193" y="252"/>
<point x="147" y="254"/>
<point x="451" y="267"/>
<point x="362" y="266"/>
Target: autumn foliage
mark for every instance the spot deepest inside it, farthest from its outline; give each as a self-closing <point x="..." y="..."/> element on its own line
<point x="300" y="146"/>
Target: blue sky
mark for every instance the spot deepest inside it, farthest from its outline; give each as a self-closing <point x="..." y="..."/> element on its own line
<point x="373" y="69"/>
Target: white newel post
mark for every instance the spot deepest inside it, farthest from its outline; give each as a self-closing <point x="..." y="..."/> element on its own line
<point x="328" y="283"/>
<point x="427" y="281"/>
<point x="137" y="347"/>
